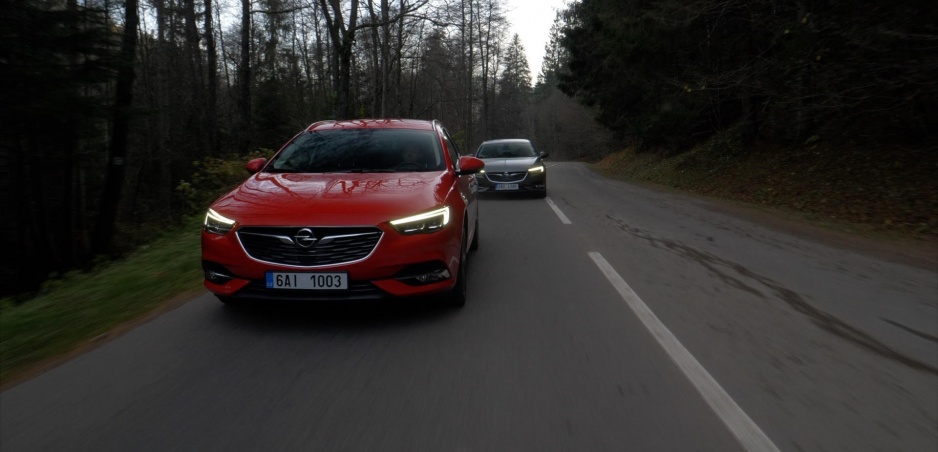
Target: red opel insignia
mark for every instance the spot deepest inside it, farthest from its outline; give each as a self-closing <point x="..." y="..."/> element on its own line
<point x="348" y="210"/>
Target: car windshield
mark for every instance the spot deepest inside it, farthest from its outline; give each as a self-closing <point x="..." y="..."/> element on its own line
<point x="360" y="151"/>
<point x="506" y="150"/>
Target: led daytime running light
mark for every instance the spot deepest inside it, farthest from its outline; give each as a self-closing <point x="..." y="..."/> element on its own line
<point x="217" y="223"/>
<point x="424" y="216"/>
<point x="218" y="217"/>
<point x="423" y="223"/>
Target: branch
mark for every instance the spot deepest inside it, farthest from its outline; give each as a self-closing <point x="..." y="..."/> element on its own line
<point x="407" y="10"/>
<point x="280" y="11"/>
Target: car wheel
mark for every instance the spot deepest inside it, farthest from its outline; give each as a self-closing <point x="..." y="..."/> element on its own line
<point x="542" y="194"/>
<point x="475" y="238"/>
<point x="458" y="295"/>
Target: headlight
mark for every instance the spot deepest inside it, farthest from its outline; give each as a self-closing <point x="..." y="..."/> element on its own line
<point x="422" y="223"/>
<point x="536" y="169"/>
<point x="217" y="224"/>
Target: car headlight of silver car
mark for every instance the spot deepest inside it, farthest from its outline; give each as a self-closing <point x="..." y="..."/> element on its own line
<point x="216" y="223"/>
<point x="536" y="169"/>
<point x="423" y="223"/>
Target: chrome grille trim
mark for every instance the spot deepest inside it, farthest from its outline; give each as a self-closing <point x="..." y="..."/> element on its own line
<point x="511" y="176"/>
<point x="333" y="245"/>
<point x="282" y="238"/>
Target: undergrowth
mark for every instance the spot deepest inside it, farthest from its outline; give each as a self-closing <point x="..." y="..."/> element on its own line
<point x="893" y="191"/>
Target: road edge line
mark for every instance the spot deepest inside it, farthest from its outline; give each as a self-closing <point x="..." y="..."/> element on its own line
<point x="749" y="435"/>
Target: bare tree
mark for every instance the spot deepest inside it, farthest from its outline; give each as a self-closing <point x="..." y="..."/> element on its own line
<point x="343" y="37"/>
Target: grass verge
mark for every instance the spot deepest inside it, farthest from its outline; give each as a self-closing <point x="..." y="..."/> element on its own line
<point x="81" y="306"/>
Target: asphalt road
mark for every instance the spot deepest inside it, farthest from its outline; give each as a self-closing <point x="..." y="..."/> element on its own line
<point x="652" y="321"/>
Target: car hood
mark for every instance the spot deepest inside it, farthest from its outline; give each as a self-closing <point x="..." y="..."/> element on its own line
<point x="333" y="198"/>
<point x="496" y="165"/>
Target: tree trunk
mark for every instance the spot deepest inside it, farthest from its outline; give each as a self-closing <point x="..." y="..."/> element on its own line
<point x="343" y="37"/>
<point x="485" y="55"/>
<point x="77" y="236"/>
<point x="321" y="57"/>
<point x="398" y="80"/>
<point x="385" y="54"/>
<point x="748" y="108"/>
<point x="163" y="143"/>
<point x="376" y="66"/>
<point x="804" y="121"/>
<point x="211" y="100"/>
<point x="195" y="73"/>
<point x="469" y="67"/>
<point x="244" y="77"/>
<point x="110" y="199"/>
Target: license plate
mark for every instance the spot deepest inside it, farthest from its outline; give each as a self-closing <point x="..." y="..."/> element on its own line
<point x="307" y="281"/>
<point x="506" y="186"/>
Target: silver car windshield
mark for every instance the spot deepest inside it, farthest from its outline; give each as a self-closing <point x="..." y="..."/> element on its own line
<point x="508" y="150"/>
<point x="360" y="151"/>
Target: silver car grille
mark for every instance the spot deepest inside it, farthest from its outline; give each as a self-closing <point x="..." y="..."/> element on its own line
<point x="308" y="246"/>
<point x="514" y="176"/>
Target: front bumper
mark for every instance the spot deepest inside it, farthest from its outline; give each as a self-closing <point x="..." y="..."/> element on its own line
<point x="530" y="182"/>
<point x="387" y="273"/>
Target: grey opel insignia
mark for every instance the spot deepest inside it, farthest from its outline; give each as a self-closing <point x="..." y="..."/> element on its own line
<point x="512" y="166"/>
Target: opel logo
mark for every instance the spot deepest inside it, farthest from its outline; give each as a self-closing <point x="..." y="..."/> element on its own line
<point x="304" y="238"/>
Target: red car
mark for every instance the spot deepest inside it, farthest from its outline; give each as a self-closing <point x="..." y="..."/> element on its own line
<point x="348" y="210"/>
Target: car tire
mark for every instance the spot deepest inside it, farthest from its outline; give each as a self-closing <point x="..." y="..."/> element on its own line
<point x="475" y="238"/>
<point x="458" y="295"/>
<point x="542" y="194"/>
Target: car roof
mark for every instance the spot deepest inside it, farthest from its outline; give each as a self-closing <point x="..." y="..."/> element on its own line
<point x="507" y="140"/>
<point x="417" y="124"/>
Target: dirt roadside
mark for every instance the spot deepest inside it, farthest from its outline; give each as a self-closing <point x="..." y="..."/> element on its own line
<point x="916" y="251"/>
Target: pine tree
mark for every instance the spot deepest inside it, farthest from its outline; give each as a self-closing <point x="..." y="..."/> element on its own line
<point x="514" y="94"/>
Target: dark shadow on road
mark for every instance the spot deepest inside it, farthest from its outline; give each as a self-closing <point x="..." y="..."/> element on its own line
<point x="502" y="197"/>
<point x="319" y="316"/>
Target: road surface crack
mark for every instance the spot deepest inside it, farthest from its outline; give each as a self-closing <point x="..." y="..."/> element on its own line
<point x="822" y="319"/>
<point x="913" y="331"/>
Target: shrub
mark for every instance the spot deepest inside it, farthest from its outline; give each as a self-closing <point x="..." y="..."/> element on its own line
<point x="213" y="176"/>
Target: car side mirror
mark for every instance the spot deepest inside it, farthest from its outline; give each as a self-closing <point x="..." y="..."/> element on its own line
<point x="469" y="165"/>
<point x="544" y="154"/>
<point x="256" y="165"/>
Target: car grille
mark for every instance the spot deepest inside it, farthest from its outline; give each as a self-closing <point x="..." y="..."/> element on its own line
<point x="278" y="245"/>
<point x="515" y="176"/>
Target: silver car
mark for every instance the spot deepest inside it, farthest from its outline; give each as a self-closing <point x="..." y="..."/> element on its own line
<point x="512" y="165"/>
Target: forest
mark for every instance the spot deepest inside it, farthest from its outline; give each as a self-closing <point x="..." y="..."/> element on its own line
<point x="778" y="71"/>
<point x="123" y="116"/>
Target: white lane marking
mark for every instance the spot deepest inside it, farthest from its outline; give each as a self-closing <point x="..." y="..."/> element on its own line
<point x="563" y="218"/>
<point x="740" y="424"/>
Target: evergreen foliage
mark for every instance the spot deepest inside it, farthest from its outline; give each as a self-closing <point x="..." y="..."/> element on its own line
<point x="56" y="61"/>
<point x="672" y="73"/>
